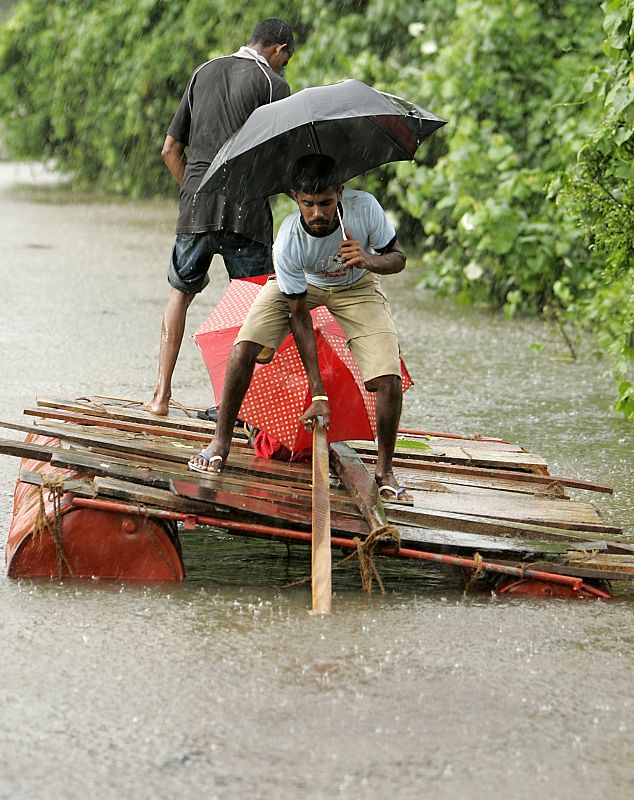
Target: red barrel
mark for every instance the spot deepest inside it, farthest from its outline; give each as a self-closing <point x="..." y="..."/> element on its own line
<point x="91" y="543"/>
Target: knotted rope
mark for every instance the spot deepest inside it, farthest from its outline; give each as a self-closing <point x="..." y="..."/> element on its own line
<point x="55" y="486"/>
<point x="477" y="573"/>
<point x="365" y="553"/>
<point x="385" y="535"/>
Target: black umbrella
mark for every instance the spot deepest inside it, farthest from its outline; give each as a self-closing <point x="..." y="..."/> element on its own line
<point x="351" y="122"/>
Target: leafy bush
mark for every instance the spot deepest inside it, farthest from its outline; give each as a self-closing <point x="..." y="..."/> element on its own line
<point x="523" y="201"/>
<point x="599" y="191"/>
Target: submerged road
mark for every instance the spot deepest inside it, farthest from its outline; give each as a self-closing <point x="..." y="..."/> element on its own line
<point x="225" y="687"/>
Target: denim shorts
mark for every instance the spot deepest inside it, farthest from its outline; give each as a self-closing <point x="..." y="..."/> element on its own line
<point x="192" y="254"/>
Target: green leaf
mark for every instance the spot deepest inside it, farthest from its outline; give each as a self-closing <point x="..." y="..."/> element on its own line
<point x="413" y="445"/>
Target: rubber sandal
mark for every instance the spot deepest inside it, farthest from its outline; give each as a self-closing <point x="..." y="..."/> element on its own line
<point x="391" y="495"/>
<point x="208" y="460"/>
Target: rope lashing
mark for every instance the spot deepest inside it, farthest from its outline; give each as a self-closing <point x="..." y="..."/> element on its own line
<point x="387" y="535"/>
<point x="55" y="486"/>
<point x="477" y="573"/>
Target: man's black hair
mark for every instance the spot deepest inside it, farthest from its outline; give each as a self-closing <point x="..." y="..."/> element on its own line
<point x="314" y="174"/>
<point x="273" y="31"/>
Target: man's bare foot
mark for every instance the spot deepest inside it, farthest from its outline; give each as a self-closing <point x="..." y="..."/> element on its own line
<point x="391" y="492"/>
<point x="211" y="459"/>
<point x="158" y="405"/>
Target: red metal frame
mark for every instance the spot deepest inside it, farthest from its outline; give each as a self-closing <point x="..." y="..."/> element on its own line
<point x="574" y="586"/>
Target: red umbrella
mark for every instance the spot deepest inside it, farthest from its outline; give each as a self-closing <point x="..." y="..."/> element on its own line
<point x="279" y="391"/>
<point x="216" y="334"/>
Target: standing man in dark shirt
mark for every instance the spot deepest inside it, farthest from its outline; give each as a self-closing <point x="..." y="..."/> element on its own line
<point x="220" y="95"/>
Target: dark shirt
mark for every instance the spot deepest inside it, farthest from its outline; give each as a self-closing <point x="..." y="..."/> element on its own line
<point x="219" y="97"/>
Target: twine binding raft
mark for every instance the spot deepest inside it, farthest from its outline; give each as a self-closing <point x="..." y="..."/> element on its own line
<point x="387" y="535"/>
<point x="55" y="486"/>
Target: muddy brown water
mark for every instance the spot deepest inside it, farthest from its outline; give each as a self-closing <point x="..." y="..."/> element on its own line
<point x="225" y="687"/>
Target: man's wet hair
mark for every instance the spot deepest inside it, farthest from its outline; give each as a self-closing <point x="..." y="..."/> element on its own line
<point x="314" y="174"/>
<point x="272" y="31"/>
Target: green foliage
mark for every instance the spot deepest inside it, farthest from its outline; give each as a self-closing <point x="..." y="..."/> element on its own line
<point x="511" y="77"/>
<point x="94" y="85"/>
<point x="523" y="201"/>
<point x="599" y="192"/>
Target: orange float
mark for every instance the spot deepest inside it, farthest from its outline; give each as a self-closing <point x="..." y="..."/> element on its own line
<point x="50" y="537"/>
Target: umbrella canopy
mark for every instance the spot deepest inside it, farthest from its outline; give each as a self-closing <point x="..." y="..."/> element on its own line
<point x="279" y="392"/>
<point x="357" y="126"/>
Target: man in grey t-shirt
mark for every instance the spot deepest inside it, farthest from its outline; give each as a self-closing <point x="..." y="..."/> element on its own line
<point x="220" y="96"/>
<point x="330" y="252"/>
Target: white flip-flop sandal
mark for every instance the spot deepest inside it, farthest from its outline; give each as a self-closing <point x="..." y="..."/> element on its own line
<point x="208" y="460"/>
<point x="391" y="495"/>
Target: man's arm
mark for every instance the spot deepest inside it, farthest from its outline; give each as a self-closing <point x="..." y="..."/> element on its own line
<point x="389" y="262"/>
<point x="301" y="325"/>
<point x="173" y="153"/>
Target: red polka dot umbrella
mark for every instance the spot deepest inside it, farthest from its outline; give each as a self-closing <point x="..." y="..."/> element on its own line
<point x="279" y="392"/>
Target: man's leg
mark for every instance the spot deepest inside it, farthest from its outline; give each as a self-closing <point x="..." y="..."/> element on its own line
<point x="172" y="329"/>
<point x="187" y="275"/>
<point x="237" y="379"/>
<point x="389" y="401"/>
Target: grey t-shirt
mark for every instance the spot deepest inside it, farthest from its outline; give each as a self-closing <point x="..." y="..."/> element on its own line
<point x="302" y="259"/>
<point x="219" y="98"/>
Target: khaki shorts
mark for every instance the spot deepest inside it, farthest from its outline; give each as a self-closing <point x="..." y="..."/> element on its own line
<point x="362" y="310"/>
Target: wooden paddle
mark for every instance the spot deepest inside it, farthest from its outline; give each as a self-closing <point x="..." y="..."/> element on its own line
<point x="321" y="556"/>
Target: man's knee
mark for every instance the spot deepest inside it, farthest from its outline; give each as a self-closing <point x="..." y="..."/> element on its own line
<point x="245" y="352"/>
<point x="179" y="299"/>
<point x="384" y="383"/>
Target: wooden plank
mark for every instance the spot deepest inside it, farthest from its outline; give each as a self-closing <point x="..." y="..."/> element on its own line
<point x="250" y="468"/>
<point x="446" y="541"/>
<point x="529" y="508"/>
<point x="438" y="442"/>
<point x="498" y="527"/>
<point x="144" y="427"/>
<point x="510" y="475"/>
<point x="92" y="440"/>
<point x="321" y="566"/>
<point x="257" y="508"/>
<point x="361" y="487"/>
<point x="79" y="486"/>
<point x="134" y="413"/>
<point x="582" y="569"/>
<point x="117" y="424"/>
<point x="508" y="459"/>
<point x="159" y="477"/>
<point x="436" y="480"/>
<point x="39" y="452"/>
<point x="156" y="449"/>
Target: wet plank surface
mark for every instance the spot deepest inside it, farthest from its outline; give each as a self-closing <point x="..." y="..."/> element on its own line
<point x="471" y="494"/>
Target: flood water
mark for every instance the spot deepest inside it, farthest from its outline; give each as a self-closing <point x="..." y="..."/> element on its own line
<point x="225" y="686"/>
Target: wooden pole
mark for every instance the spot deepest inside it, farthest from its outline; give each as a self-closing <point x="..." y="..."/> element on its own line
<point x="321" y="555"/>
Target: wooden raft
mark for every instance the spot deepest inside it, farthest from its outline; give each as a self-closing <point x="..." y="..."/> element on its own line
<point x="472" y="496"/>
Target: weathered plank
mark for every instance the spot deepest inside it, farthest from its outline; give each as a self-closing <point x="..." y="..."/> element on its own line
<point x="361" y="487"/>
<point x="158" y="448"/>
<point x="144" y="427"/>
<point x="528" y="508"/>
<point x="466" y="454"/>
<point x="438" y="442"/>
<point x="510" y="475"/>
<point x="437" y="480"/>
<point x="277" y="512"/>
<point x="464" y="523"/>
